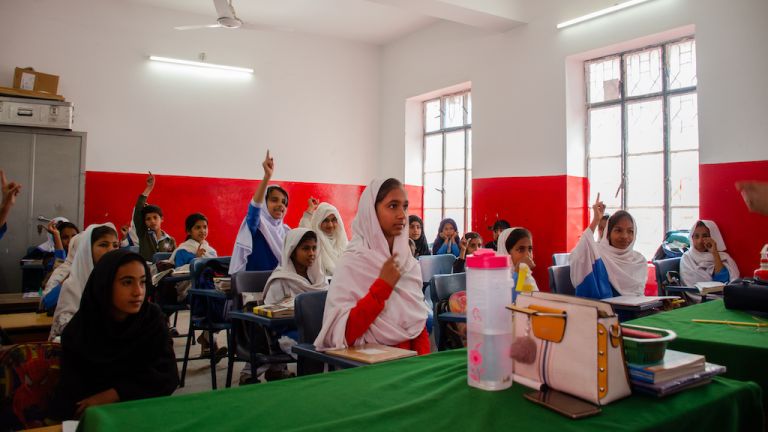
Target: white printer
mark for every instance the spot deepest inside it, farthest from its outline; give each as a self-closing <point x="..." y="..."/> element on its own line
<point x="36" y="113"/>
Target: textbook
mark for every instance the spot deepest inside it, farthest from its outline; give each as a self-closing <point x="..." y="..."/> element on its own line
<point x="681" y="383"/>
<point x="274" y="311"/>
<point x="709" y="287"/>
<point x="638" y="302"/>
<point x="372" y="353"/>
<point x="675" y="364"/>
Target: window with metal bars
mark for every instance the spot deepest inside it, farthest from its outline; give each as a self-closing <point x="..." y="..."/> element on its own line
<point x="642" y="137"/>
<point x="447" y="162"/>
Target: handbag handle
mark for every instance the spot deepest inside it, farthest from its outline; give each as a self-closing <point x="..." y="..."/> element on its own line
<point x="534" y="312"/>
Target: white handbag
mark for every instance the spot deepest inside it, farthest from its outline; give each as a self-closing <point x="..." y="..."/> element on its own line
<point x="578" y="346"/>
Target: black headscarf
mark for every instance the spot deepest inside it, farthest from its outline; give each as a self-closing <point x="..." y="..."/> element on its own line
<point x="439" y="240"/>
<point x="134" y="356"/>
<point x="422" y="247"/>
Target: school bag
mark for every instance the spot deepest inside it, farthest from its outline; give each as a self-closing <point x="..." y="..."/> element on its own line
<point x="675" y="243"/>
<point x="29" y="374"/>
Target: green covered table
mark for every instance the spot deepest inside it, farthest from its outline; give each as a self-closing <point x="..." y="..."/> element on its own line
<point x="419" y="394"/>
<point x="743" y="350"/>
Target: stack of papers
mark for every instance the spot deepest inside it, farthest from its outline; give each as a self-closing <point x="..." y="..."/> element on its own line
<point x="638" y="302"/>
<point x="676" y="372"/>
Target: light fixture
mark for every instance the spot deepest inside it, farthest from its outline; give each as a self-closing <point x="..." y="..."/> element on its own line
<point x="200" y="64"/>
<point x="601" y="12"/>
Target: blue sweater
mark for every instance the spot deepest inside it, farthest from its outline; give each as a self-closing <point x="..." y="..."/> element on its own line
<point x="262" y="257"/>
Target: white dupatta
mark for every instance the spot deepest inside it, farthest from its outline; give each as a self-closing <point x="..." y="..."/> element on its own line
<point x="330" y="247"/>
<point x="698" y="266"/>
<point x="285" y="282"/>
<point x="273" y="230"/>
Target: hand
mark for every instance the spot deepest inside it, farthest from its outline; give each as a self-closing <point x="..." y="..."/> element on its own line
<point x="390" y="271"/>
<point x="598" y="208"/>
<point x="269" y="166"/>
<point x="441" y="235"/>
<point x="755" y="195"/>
<point x="463" y="244"/>
<point x="51" y="228"/>
<point x="150" y="184"/>
<point x="200" y="251"/>
<point x="312" y="204"/>
<point x="528" y="261"/>
<point x="711" y="245"/>
<point x="10" y="190"/>
<point x="103" y="398"/>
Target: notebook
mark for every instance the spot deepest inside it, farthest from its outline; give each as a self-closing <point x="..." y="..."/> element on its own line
<point x="709" y="287"/>
<point x="674" y="365"/>
<point x="372" y="353"/>
<point x="638" y="302"/>
<point x="680" y="383"/>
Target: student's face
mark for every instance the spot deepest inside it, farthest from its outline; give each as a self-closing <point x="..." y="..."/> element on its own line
<point x="414" y="230"/>
<point x="601" y="227"/>
<point x="623" y="234"/>
<point x="305" y="253"/>
<point x="128" y="290"/>
<point x="199" y="231"/>
<point x="449" y="231"/>
<point x="522" y="249"/>
<point x="496" y="234"/>
<point x="103" y="245"/>
<point x="66" y="235"/>
<point x="473" y="245"/>
<point x="277" y="204"/>
<point x="392" y="213"/>
<point x="329" y="225"/>
<point x="700" y="238"/>
<point x="153" y="221"/>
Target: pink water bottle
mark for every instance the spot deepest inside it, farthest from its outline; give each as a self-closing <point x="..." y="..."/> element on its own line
<point x="489" y="322"/>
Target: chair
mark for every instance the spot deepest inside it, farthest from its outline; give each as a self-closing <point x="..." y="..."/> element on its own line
<point x="161" y="256"/>
<point x="443" y="286"/>
<point x="242" y="343"/>
<point x="308" y="310"/>
<point x="560" y="280"/>
<point x="561" y="259"/>
<point x="434" y="265"/>
<point x="663" y="268"/>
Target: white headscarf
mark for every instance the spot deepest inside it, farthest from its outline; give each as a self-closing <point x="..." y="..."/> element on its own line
<point x="627" y="269"/>
<point x="73" y="286"/>
<point x="330" y="247"/>
<point x="50" y="245"/>
<point x="698" y="266"/>
<point x="190" y="245"/>
<point x="60" y="273"/>
<point x="405" y="312"/>
<point x="273" y="230"/>
<point x="285" y="282"/>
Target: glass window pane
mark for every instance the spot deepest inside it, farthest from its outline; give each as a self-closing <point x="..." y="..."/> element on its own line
<point x="645" y="127"/>
<point x="433" y="186"/>
<point x="603" y="77"/>
<point x="469" y="108"/>
<point x="643" y="70"/>
<point x="605" y="178"/>
<point x="454" y="188"/>
<point x="683" y="218"/>
<point x="684" y="178"/>
<point x="454" y="111"/>
<point x="645" y="180"/>
<point x="457" y="214"/>
<point x="454" y="150"/>
<point x="684" y="122"/>
<point x="432" y="218"/>
<point x="682" y="64"/>
<point x="432" y="115"/>
<point x="605" y="131"/>
<point x="433" y="153"/>
<point x="649" y="232"/>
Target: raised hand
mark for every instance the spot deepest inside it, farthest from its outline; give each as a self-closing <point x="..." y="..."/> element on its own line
<point x="268" y="165"/>
<point x="711" y="245"/>
<point x="10" y="190"/>
<point x="312" y="204"/>
<point x="150" y="184"/>
<point x="390" y="271"/>
<point x="598" y="210"/>
<point x="200" y="251"/>
<point x="51" y="228"/>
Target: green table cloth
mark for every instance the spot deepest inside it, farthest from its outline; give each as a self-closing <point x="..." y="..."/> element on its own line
<point x="420" y="394"/>
<point x="743" y="350"/>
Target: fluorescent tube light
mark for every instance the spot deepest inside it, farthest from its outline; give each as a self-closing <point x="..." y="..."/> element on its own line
<point x="200" y="64"/>
<point x="606" y="11"/>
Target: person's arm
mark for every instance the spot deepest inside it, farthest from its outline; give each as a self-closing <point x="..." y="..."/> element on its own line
<point x="10" y="190"/>
<point x="442" y="249"/>
<point x="306" y="218"/>
<point x="454" y="249"/>
<point x="183" y="257"/>
<point x="723" y="276"/>
<point x="598" y="210"/>
<point x="269" y="167"/>
<point x="141" y="201"/>
<point x="711" y="246"/>
<point x="369" y="307"/>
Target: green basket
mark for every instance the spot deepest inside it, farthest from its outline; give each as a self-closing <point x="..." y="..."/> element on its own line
<point x="647" y="351"/>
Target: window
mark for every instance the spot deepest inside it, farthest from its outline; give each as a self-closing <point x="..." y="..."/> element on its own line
<point x="643" y="139"/>
<point x="447" y="162"/>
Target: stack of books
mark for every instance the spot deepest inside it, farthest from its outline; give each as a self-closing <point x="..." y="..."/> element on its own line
<point x="678" y="371"/>
<point x="274" y="311"/>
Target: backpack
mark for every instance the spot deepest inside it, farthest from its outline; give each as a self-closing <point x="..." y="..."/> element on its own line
<point x="29" y="374"/>
<point x="675" y="244"/>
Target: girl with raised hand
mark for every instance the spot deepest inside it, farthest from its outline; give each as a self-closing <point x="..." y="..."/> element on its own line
<point x="376" y="293"/>
<point x="447" y="240"/>
<point x="325" y="220"/>
<point x="416" y="233"/>
<point x="611" y="266"/>
<point x="707" y="260"/>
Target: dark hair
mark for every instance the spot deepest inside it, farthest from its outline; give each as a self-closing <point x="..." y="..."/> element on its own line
<point x="279" y="189"/>
<point x="191" y="220"/>
<point x="515" y="236"/>
<point x="100" y="232"/>
<point x="471" y="236"/>
<point x="414" y="218"/>
<point x="61" y="226"/>
<point x="605" y="217"/>
<point x="614" y="219"/>
<point x="700" y="224"/>
<point x="438" y="243"/>
<point x="500" y="225"/>
<point x="389" y="185"/>
<point x="151" y="208"/>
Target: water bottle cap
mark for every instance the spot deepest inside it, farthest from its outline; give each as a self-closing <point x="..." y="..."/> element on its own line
<point x="487" y="259"/>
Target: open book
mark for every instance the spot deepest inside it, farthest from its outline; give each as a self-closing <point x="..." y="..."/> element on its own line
<point x="372" y="353"/>
<point x="639" y="302"/>
<point x="709" y="287"/>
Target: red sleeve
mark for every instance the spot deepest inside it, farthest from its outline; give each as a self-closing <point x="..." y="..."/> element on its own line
<point x="366" y="310"/>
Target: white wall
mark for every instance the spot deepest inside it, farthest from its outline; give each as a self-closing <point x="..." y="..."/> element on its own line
<point x="521" y="106"/>
<point x="312" y="100"/>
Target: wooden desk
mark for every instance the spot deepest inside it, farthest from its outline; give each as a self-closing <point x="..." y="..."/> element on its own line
<point x="26" y="327"/>
<point x="14" y="303"/>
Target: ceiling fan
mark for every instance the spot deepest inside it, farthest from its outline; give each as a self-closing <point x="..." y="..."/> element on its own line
<point x="227" y="18"/>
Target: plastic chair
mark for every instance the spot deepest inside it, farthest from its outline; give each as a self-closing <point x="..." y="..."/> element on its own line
<point x="435" y="265"/>
<point x="308" y="309"/>
<point x="561" y="259"/>
<point x="560" y="280"/>
<point x="663" y="268"/>
<point x="443" y="286"/>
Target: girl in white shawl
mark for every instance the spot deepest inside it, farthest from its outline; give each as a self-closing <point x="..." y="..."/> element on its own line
<point x="325" y="220"/>
<point x="375" y="295"/>
<point x="707" y="260"/>
<point x="91" y="245"/>
<point x="300" y="270"/>
<point x="600" y="268"/>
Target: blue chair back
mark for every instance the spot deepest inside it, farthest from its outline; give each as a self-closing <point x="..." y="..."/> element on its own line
<point x="247" y="282"/>
<point x="161" y="256"/>
<point x="445" y="285"/>
<point x="435" y="265"/>
<point x="561" y="259"/>
<point x="308" y="312"/>
<point x="197" y="264"/>
<point x="560" y="280"/>
<point x="664" y="267"/>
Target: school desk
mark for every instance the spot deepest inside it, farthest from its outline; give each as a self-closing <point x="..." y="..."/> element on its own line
<point x="743" y="350"/>
<point x="424" y="393"/>
<point x="15" y="302"/>
<point x="26" y="327"/>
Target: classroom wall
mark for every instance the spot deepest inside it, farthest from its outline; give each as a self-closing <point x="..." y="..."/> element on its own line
<point x="528" y="110"/>
<point x="312" y="101"/>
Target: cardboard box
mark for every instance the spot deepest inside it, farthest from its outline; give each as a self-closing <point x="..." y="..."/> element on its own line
<point x="28" y="79"/>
